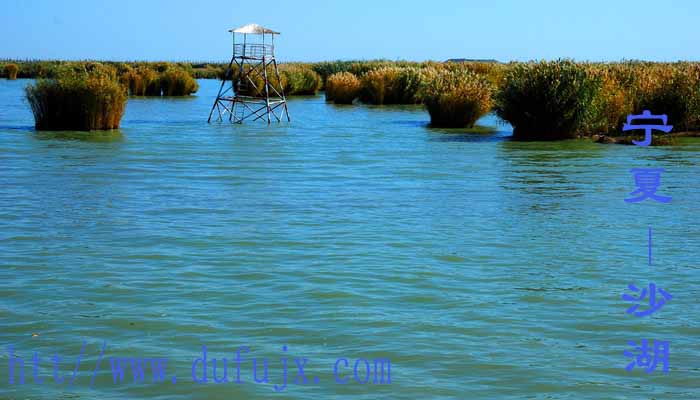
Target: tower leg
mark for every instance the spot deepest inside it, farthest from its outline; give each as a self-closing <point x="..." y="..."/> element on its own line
<point x="248" y="99"/>
<point x="284" y="98"/>
<point x="221" y="89"/>
<point x="267" y="89"/>
<point x="216" y="102"/>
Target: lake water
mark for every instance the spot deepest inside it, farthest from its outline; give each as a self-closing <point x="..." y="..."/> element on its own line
<point x="481" y="267"/>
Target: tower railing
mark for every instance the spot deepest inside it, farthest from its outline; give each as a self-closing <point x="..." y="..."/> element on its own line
<point x="256" y="51"/>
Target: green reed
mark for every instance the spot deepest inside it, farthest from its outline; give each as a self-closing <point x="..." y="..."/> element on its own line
<point x="78" y="98"/>
<point x="342" y="88"/>
<point x="455" y="98"/>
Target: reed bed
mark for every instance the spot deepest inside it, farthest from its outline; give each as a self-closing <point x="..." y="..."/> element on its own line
<point x="141" y="78"/>
<point x="177" y="82"/>
<point x="391" y="85"/>
<point x="300" y="79"/>
<point x="79" y="99"/>
<point x="163" y="80"/>
<point x="612" y="102"/>
<point x="669" y="89"/>
<point x="542" y="100"/>
<point x="342" y="88"/>
<point x="34" y="69"/>
<point x="364" y="67"/>
<point x="546" y="100"/>
<point x="142" y="81"/>
<point x="493" y="72"/>
<point x="327" y="68"/>
<point x="208" y="70"/>
<point x="455" y="98"/>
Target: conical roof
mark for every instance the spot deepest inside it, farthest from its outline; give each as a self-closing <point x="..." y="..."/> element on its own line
<point x="254" y="29"/>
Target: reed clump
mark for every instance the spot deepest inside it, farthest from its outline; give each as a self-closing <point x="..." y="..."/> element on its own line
<point x="177" y="82"/>
<point x="161" y="79"/>
<point x="631" y="87"/>
<point x="455" y="98"/>
<point x="342" y="88"/>
<point x="612" y="102"/>
<point x="142" y="81"/>
<point x="671" y="89"/>
<point x="391" y="85"/>
<point x="492" y="71"/>
<point x="546" y="100"/>
<point x="11" y="71"/>
<point x="360" y="68"/>
<point x="300" y="79"/>
<point x="327" y="68"/>
<point x="81" y="99"/>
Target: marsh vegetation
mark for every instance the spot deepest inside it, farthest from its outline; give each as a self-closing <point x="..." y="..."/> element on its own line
<point x="546" y="100"/>
<point x="11" y="71"/>
<point x="82" y="98"/>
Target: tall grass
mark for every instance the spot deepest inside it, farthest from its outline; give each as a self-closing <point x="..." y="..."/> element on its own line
<point x="364" y="67"/>
<point x="612" y="102"/>
<point x="673" y="90"/>
<point x="11" y="71"/>
<point x="300" y="79"/>
<point x="177" y="82"/>
<point x="631" y="87"/>
<point x="541" y="100"/>
<point x="166" y="80"/>
<point x="391" y="85"/>
<point x="342" y="88"/>
<point x="208" y="70"/>
<point x="546" y="100"/>
<point x="327" y="68"/>
<point x="81" y="99"/>
<point x="34" y="69"/>
<point x="142" y="81"/>
<point x="493" y="72"/>
<point x="141" y="78"/>
<point x="455" y="98"/>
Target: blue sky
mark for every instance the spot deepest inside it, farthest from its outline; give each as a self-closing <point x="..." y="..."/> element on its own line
<point x="359" y="29"/>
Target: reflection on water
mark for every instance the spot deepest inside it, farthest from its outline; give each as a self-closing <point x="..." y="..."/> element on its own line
<point x="547" y="169"/>
<point x="539" y="152"/>
<point x="16" y="128"/>
<point x="476" y="129"/>
<point x="113" y="135"/>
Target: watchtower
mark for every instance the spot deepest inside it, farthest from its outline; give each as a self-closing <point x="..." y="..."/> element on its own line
<point x="251" y="87"/>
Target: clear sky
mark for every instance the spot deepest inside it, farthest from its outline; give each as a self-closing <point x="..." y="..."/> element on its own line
<point x="357" y="29"/>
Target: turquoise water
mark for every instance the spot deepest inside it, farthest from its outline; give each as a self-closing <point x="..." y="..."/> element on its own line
<point x="483" y="268"/>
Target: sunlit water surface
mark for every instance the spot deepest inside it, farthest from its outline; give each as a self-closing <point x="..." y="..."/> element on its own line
<point x="482" y="267"/>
